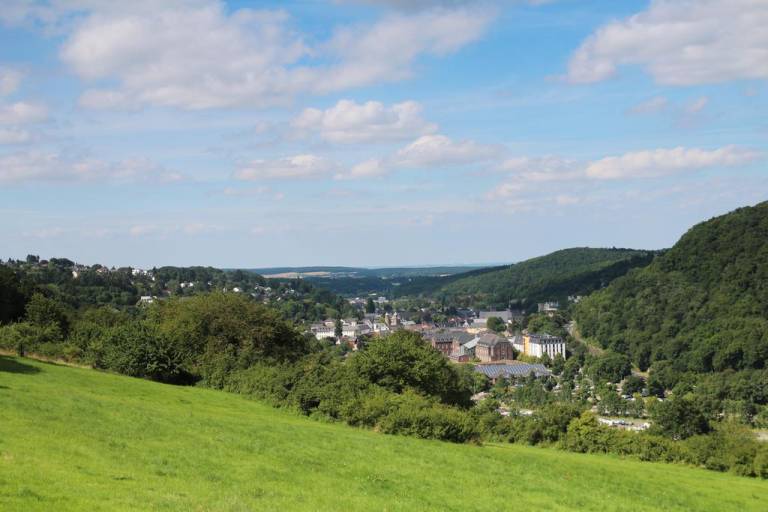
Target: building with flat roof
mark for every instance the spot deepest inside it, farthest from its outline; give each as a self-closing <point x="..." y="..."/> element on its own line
<point x="538" y="345"/>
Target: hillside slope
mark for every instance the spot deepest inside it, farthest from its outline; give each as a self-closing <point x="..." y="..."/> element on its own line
<point x="576" y="271"/>
<point x="702" y="306"/>
<point x="75" y="439"/>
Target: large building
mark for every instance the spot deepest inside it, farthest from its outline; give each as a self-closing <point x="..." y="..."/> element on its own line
<point x="537" y="345"/>
<point x="448" y="341"/>
<point x="511" y="369"/>
<point x="492" y="347"/>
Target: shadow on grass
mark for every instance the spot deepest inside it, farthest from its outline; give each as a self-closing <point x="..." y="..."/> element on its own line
<point x="13" y="366"/>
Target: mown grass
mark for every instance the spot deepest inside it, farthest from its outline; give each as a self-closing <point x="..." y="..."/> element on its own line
<point x="76" y="439"/>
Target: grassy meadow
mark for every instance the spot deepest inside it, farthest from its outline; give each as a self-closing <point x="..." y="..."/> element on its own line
<point x="78" y="439"/>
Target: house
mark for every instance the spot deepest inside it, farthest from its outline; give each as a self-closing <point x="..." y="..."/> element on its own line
<point x="492" y="347"/>
<point x="517" y="343"/>
<point x="505" y="315"/>
<point x="510" y="369"/>
<point x="146" y="299"/>
<point x="537" y="345"/>
<point x="465" y="352"/>
<point x="447" y="341"/>
<point x="550" y="308"/>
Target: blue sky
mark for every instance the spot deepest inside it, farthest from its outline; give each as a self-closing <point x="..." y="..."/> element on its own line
<point x="374" y="133"/>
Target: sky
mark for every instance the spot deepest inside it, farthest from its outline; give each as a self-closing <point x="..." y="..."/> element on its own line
<point x="374" y="133"/>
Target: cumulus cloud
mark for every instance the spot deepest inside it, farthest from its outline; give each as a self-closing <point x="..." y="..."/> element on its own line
<point x="293" y="167"/>
<point x="439" y="150"/>
<point x="386" y="50"/>
<point x="650" y="106"/>
<point x="10" y="79"/>
<point x="680" y="42"/>
<point x="371" y="168"/>
<point x="662" y="162"/>
<point x="349" y="122"/>
<point x="697" y="105"/>
<point x="22" y="112"/>
<point x="14" y="136"/>
<point x="546" y="168"/>
<point x="428" y="151"/>
<point x="532" y="176"/>
<point x="197" y="55"/>
<point x="38" y="166"/>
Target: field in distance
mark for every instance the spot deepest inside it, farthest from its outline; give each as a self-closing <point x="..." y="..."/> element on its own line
<point x="77" y="439"/>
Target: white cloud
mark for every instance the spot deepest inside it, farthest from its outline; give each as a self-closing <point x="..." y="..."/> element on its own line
<point x="294" y="167"/>
<point x="650" y="106"/>
<point x="14" y="136"/>
<point x="427" y="151"/>
<point x="372" y="121"/>
<point x="386" y="50"/>
<point x="10" y="79"/>
<point x="22" y="112"/>
<point x="37" y="166"/>
<point x="680" y="42"/>
<point x="546" y="168"/>
<point x="196" y="55"/>
<point x="662" y="162"/>
<point x="558" y="179"/>
<point x="696" y="105"/>
<point x="439" y="150"/>
<point x="371" y="168"/>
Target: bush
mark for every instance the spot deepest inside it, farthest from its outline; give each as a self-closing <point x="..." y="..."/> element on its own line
<point x="586" y="435"/>
<point x="404" y="360"/>
<point x="678" y="418"/>
<point x="139" y="349"/>
<point x="24" y="337"/>
<point x="416" y="416"/>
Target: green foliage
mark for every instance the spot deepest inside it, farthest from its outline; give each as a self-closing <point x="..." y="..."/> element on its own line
<point x="608" y="367"/>
<point x="27" y="338"/>
<point x="140" y="349"/>
<point x="220" y="333"/>
<point x="404" y="360"/>
<point x="496" y="324"/>
<point x="43" y="311"/>
<point x="554" y="276"/>
<point x="12" y="297"/>
<point x="418" y="417"/>
<point x="679" y="418"/>
<point x="702" y="305"/>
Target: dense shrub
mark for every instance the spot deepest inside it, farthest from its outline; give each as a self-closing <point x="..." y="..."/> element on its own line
<point x="419" y="417"/>
<point x="404" y="360"/>
<point x="139" y="349"/>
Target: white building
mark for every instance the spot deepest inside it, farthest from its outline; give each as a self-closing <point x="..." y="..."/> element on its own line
<point x="537" y="345"/>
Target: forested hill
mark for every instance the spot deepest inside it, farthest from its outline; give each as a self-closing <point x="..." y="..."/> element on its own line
<point x="576" y="271"/>
<point x="702" y="306"/>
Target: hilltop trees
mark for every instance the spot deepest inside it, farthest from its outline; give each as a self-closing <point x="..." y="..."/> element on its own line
<point x="702" y="306"/>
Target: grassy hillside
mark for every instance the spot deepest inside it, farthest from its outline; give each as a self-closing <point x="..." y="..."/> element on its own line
<point x="75" y="439"/>
<point x="702" y="306"/>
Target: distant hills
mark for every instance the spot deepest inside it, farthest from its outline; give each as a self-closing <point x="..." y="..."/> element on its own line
<point x="556" y="276"/>
<point x="701" y="307"/>
<point x="359" y="272"/>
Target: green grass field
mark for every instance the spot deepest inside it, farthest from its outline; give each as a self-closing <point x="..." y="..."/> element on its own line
<point x="75" y="439"/>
